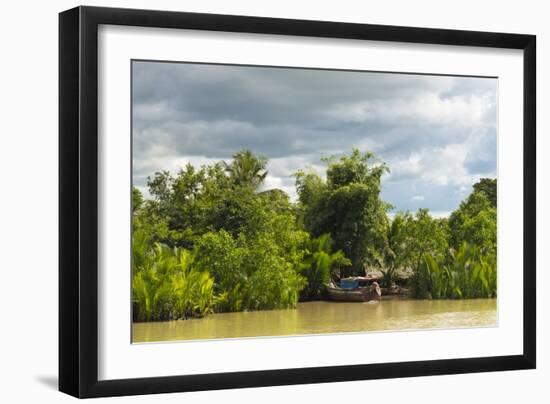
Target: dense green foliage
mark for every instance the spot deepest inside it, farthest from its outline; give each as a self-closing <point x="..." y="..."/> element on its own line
<point x="467" y="273"/>
<point x="209" y="239"/>
<point x="474" y="222"/>
<point x="320" y="264"/>
<point x="347" y="206"/>
<point x="166" y="284"/>
<point x="409" y="238"/>
<point x="251" y="273"/>
<point x="468" y="269"/>
<point x="487" y="187"/>
<point x="247" y="240"/>
<point x="247" y="169"/>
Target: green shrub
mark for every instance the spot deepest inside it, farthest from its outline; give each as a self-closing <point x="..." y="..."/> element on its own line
<point x="250" y="273"/>
<point x="319" y="264"/>
<point x="467" y="274"/>
<point x="166" y="285"/>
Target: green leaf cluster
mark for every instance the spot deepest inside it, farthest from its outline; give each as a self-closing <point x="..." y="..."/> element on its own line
<point x="166" y="283"/>
<point x="210" y="239"/>
<point x="347" y="205"/>
<point x="468" y="273"/>
<point x="247" y="240"/>
<point x="475" y="222"/>
<point x="320" y="263"/>
<point x="469" y="268"/>
<point x="252" y="273"/>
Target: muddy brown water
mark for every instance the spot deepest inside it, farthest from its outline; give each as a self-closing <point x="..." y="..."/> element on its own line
<point x="326" y="317"/>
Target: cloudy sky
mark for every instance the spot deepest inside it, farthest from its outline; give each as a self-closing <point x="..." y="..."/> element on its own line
<point x="437" y="134"/>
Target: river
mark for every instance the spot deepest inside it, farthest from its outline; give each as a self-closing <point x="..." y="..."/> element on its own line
<point x="326" y="317"/>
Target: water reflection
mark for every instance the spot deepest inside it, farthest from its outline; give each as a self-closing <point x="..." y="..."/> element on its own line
<point x="326" y="317"/>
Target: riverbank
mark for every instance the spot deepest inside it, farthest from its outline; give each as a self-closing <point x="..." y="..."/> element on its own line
<point x="326" y="317"/>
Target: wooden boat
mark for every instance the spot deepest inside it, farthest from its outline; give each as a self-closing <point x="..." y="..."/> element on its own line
<point x="360" y="294"/>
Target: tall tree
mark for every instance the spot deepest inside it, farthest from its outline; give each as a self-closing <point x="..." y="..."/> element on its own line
<point x="394" y="254"/>
<point x="475" y="222"/>
<point x="347" y="206"/>
<point x="247" y="169"/>
<point x="137" y="199"/>
<point x="422" y="235"/>
<point x="488" y="187"/>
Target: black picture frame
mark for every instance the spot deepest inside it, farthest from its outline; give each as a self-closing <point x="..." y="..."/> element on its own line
<point x="78" y="200"/>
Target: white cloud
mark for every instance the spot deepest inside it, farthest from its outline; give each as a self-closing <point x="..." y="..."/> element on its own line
<point x="155" y="111"/>
<point x="438" y="165"/>
<point x="440" y="214"/>
<point x="437" y="134"/>
<point x="424" y="108"/>
<point x="287" y="166"/>
<point x="278" y="183"/>
<point x="406" y="167"/>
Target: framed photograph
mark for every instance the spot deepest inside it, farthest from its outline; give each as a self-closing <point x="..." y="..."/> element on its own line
<point x="249" y="201"/>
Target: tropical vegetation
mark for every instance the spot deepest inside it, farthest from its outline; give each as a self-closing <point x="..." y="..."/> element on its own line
<point x="210" y="239"/>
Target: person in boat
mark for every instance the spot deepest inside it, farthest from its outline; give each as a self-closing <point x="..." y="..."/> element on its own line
<point x="376" y="292"/>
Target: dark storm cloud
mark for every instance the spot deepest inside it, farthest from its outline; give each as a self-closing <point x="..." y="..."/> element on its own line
<point x="435" y="132"/>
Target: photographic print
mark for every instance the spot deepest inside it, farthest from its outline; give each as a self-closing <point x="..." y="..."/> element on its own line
<point x="277" y="201"/>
